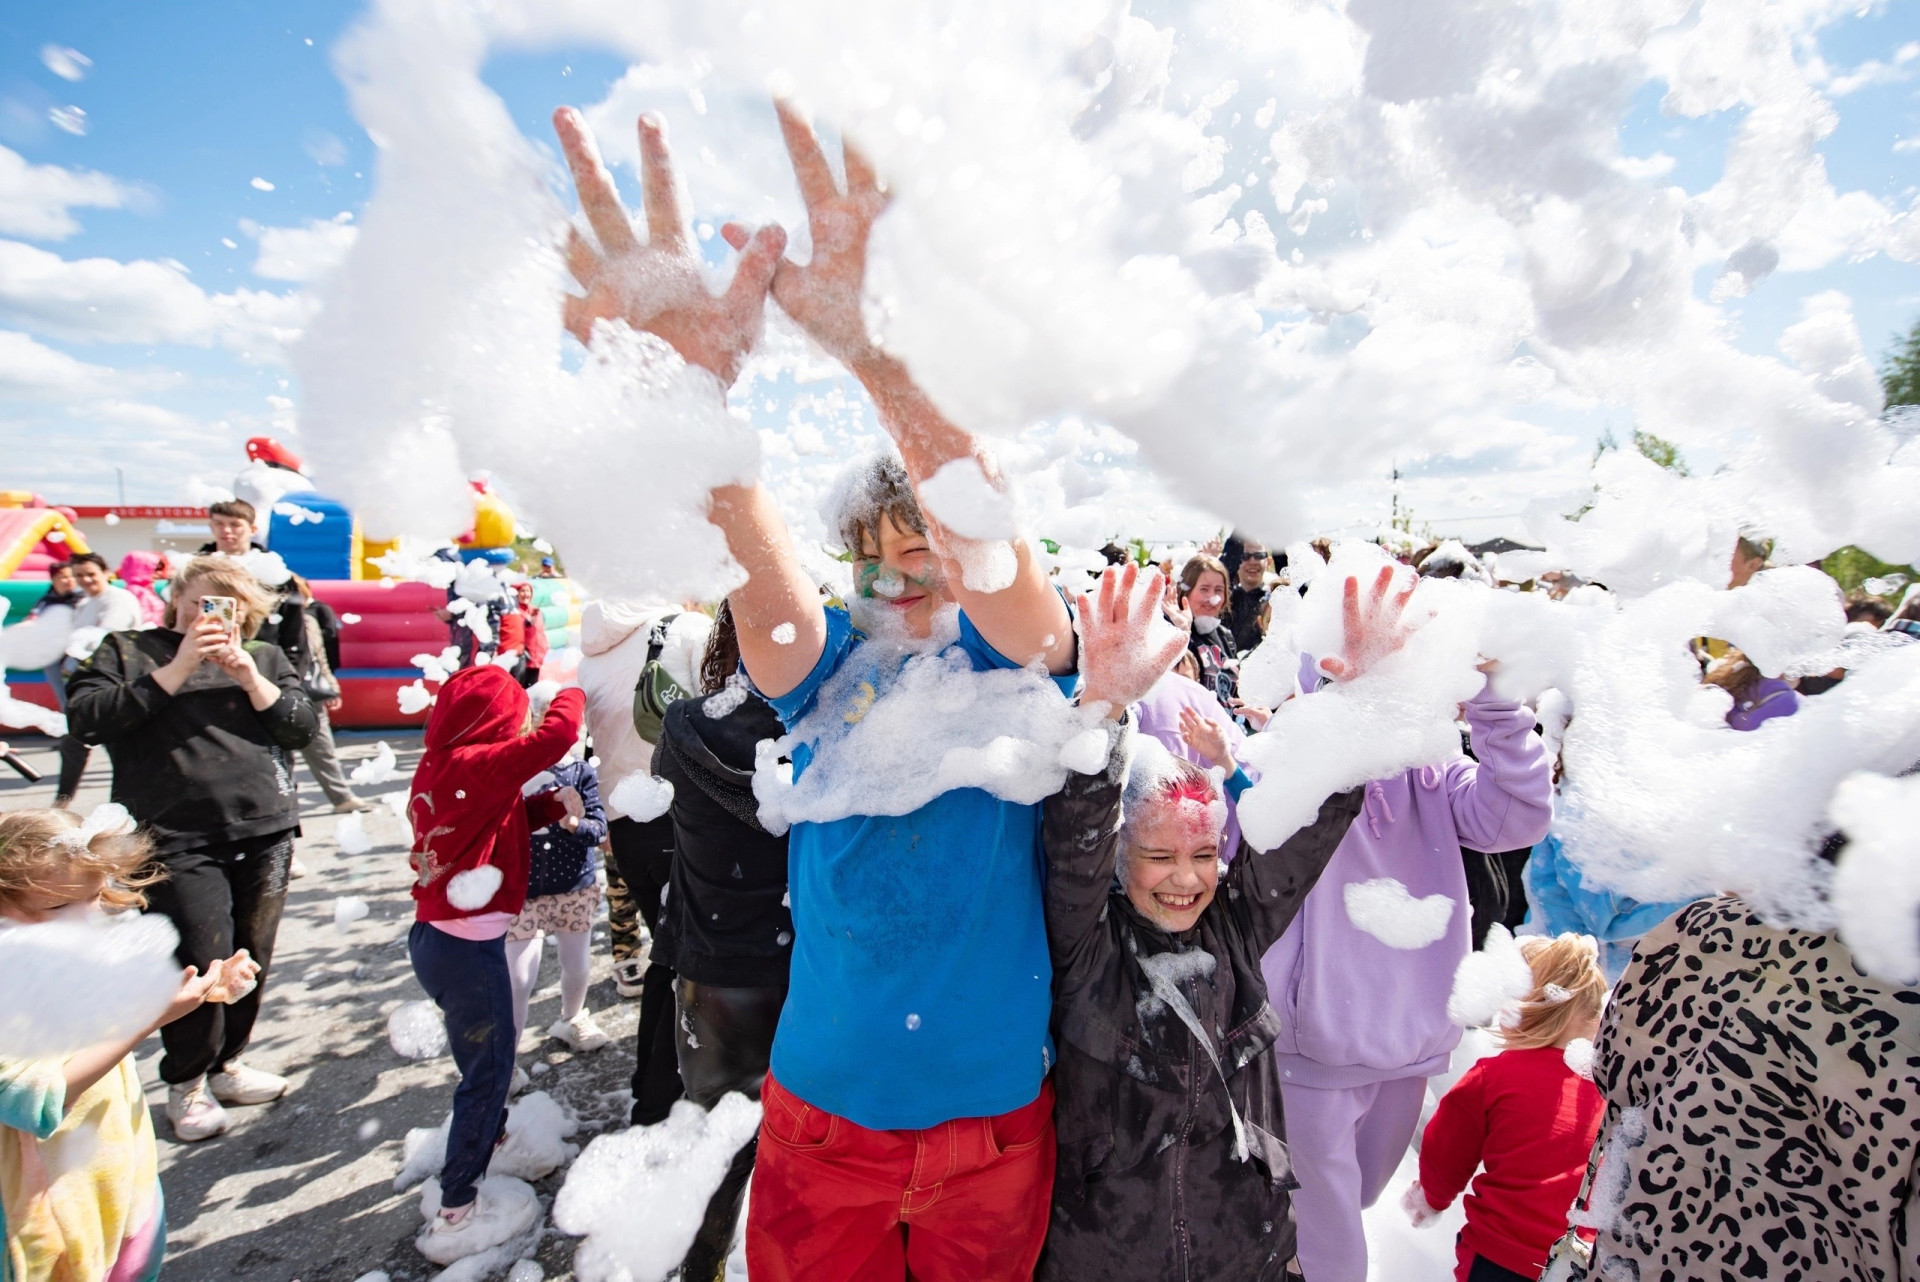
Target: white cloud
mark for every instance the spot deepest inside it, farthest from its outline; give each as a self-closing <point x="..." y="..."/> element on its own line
<point x="32" y="371"/>
<point x="302" y="254"/>
<point x="104" y="300"/>
<point x="68" y="64"/>
<point x="324" y="148"/>
<point x="34" y="374"/>
<point x="37" y="200"/>
<point x="1906" y="60"/>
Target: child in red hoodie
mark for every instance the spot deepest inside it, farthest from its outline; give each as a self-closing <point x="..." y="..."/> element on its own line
<point x="1527" y="1115"/>
<point x="470" y="827"/>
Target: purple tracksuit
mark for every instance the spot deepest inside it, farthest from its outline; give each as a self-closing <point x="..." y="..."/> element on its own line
<point x="1363" y="1025"/>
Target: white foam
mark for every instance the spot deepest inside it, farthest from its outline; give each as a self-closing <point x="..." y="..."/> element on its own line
<point x="416" y="1030"/>
<point x="475" y="888"/>
<point x="75" y="984"/>
<point x="1876" y="889"/>
<point x="377" y="769"/>
<point x="638" y="1196"/>
<point x="536" y="1145"/>
<point x="1489" y="981"/>
<point x="641" y="797"/>
<point x="350" y="834"/>
<point x="1384" y="909"/>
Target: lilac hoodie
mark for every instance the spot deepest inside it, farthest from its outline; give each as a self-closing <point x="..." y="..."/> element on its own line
<point x="1353" y="1010"/>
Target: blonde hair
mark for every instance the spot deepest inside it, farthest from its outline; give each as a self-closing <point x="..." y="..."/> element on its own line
<point x="232" y="579"/>
<point x="1734" y="673"/>
<point x="34" y="856"/>
<point x="1568" y="986"/>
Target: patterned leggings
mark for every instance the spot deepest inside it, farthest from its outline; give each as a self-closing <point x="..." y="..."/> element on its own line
<point x="623" y="919"/>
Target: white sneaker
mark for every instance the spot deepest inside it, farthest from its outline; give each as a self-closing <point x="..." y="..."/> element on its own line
<point x="519" y="1083"/>
<point x="628" y="974"/>
<point x="503" y="1209"/>
<point x="580" y="1032"/>
<point x="296" y="869"/>
<point x="195" y="1115"/>
<point x="238" y="1084"/>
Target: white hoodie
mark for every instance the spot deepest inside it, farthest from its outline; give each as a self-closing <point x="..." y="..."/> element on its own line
<point x="613" y="644"/>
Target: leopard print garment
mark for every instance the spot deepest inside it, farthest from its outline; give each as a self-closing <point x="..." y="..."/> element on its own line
<point x="1774" y="1092"/>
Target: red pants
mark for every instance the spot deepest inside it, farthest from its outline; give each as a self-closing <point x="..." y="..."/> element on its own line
<point x="965" y="1201"/>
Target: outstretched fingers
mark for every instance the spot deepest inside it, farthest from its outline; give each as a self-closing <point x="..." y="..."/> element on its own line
<point x="753" y="275"/>
<point x="598" y="198"/>
<point x="1104" y="609"/>
<point x="666" y="219"/>
<point x="809" y="161"/>
<point x="1149" y="601"/>
<point x="583" y="261"/>
<point x="862" y="180"/>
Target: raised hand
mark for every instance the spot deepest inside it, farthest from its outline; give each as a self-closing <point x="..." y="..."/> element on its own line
<point x="1120" y="654"/>
<point x="576" y="808"/>
<point x="1206" y="737"/>
<point x="1171" y="605"/>
<point x="1373" y="628"/>
<point x="823" y="297"/>
<point x="232" y="978"/>
<point x="655" y="284"/>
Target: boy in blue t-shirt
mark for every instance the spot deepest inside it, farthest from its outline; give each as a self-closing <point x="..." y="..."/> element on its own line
<point x="908" y="1122"/>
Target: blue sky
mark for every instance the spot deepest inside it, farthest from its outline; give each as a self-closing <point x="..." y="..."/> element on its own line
<point x="163" y="372"/>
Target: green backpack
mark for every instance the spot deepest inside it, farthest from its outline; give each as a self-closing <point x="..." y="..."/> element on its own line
<point x="656" y="687"/>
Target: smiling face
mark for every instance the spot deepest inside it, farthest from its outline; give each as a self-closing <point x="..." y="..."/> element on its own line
<point x="1171" y="861"/>
<point x="60" y="578"/>
<point x="91" y="578"/>
<point x="902" y="572"/>
<point x="1253" y="569"/>
<point x="1208" y="597"/>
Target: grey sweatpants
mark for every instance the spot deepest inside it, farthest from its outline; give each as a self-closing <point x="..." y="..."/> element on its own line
<point x="324" y="764"/>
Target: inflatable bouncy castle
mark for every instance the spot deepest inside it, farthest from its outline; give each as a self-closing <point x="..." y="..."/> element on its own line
<point x="386" y="623"/>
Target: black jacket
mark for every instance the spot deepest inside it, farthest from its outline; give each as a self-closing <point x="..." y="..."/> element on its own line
<point x="1148" y="1185"/>
<point x="1213" y="652"/>
<point x="725" y="921"/>
<point x="199" y="766"/>
<point x="1243" y="617"/>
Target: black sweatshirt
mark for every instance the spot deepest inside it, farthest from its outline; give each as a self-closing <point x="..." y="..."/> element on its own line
<point x="725" y="921"/>
<point x="199" y="766"/>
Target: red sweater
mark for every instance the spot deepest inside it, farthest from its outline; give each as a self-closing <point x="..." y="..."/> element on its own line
<point x="466" y="808"/>
<point x="1530" y="1121"/>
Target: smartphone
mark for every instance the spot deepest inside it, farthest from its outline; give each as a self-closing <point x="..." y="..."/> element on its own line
<point x="224" y="608"/>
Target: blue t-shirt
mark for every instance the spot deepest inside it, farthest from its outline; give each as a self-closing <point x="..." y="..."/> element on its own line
<point x="921" y="984"/>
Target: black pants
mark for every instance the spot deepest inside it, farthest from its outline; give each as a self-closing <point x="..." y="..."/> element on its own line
<point x="1514" y="862"/>
<point x="220" y="898"/>
<point x="1485" y="1270"/>
<point x="644" y="853"/>
<point x="726" y="1043"/>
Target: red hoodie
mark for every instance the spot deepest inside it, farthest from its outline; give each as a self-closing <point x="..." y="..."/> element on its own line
<point x="465" y="803"/>
<point x="1530" y="1121"/>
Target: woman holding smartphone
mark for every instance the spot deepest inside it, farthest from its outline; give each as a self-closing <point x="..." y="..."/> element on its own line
<point x="201" y="721"/>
